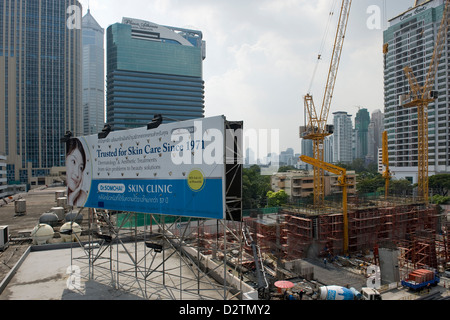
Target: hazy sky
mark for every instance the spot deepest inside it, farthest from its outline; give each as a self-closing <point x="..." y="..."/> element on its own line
<point x="260" y="54"/>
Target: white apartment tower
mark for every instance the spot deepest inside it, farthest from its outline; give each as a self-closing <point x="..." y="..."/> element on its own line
<point x="342" y="137"/>
<point x="93" y="75"/>
<point x="409" y="41"/>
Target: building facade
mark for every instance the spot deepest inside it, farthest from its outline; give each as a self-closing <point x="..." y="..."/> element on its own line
<point x="375" y="135"/>
<point x="40" y="84"/>
<point x="362" y="121"/>
<point x="153" y="69"/>
<point x="93" y="75"/>
<point x="342" y="137"/>
<point x="3" y="179"/>
<point x="300" y="184"/>
<point x="409" y="41"/>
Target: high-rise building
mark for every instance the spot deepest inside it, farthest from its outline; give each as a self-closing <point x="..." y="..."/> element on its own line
<point x="328" y="149"/>
<point x="409" y="40"/>
<point x="307" y="150"/>
<point x="287" y="158"/>
<point x="3" y="179"/>
<point x="93" y="75"/>
<point x="342" y="140"/>
<point x="40" y="84"/>
<point x="250" y="157"/>
<point x="376" y="128"/>
<point x="153" y="69"/>
<point x="362" y="121"/>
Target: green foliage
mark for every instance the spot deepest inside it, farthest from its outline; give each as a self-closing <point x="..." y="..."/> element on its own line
<point x="400" y="186"/>
<point x="254" y="187"/>
<point x="438" y="199"/>
<point x="369" y="183"/>
<point x="286" y="168"/>
<point x="360" y="167"/>
<point x="440" y="183"/>
<point x="277" y="199"/>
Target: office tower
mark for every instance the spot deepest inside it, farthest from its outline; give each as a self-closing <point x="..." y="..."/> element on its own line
<point x="250" y="158"/>
<point x="362" y="121"/>
<point x="307" y="150"/>
<point x="287" y="157"/>
<point x="93" y="75"/>
<point x="3" y="179"/>
<point x="153" y="69"/>
<point x="342" y="140"/>
<point x="376" y="128"/>
<point x="40" y="84"/>
<point x="410" y="40"/>
<point x="328" y="149"/>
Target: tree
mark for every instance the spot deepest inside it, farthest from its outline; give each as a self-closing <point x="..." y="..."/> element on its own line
<point x="286" y="168"/>
<point x="438" y="199"/>
<point x="359" y="166"/>
<point x="277" y="199"/>
<point x="369" y="183"/>
<point x="401" y="186"/>
<point x="254" y="187"/>
<point x="440" y="183"/>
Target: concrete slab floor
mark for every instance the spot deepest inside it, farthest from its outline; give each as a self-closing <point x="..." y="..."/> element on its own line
<point x="46" y="275"/>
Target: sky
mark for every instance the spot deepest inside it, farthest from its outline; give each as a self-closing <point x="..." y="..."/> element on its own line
<point x="261" y="55"/>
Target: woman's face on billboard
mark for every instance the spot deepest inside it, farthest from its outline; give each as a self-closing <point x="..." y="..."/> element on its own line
<point x="75" y="168"/>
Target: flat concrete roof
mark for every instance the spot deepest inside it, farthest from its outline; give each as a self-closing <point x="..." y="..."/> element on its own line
<point x="64" y="274"/>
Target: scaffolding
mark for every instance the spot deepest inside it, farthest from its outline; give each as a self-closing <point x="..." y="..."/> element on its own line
<point x="187" y="258"/>
<point x="193" y="259"/>
<point x="413" y="227"/>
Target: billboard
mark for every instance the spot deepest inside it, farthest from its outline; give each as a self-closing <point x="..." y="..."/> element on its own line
<point x="174" y="169"/>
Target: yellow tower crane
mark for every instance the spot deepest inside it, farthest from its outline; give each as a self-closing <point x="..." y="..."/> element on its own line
<point x="316" y="128"/>
<point x="420" y="97"/>
<point x="342" y="183"/>
<point x="385" y="159"/>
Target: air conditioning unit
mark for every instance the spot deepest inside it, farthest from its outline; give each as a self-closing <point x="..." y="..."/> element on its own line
<point x="4" y="237"/>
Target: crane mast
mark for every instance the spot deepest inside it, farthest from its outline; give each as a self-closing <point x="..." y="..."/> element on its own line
<point x="316" y="128"/>
<point x="420" y="97"/>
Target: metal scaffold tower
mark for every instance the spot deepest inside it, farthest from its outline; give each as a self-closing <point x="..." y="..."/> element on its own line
<point x="180" y="259"/>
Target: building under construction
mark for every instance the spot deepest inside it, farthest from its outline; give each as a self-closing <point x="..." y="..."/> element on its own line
<point x="417" y="230"/>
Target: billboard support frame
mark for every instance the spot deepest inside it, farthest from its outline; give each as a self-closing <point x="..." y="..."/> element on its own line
<point x="205" y="270"/>
<point x="134" y="273"/>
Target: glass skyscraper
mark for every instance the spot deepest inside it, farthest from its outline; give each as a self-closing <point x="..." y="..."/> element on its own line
<point x="362" y="121"/>
<point x="93" y="75"/>
<point x="410" y="41"/>
<point x="40" y="84"/>
<point x="153" y="69"/>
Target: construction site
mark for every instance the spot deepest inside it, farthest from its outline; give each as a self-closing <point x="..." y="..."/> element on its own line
<point x="292" y="252"/>
<point x="417" y="231"/>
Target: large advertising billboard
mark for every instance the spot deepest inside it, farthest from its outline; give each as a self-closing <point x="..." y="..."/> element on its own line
<point x="175" y="169"/>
